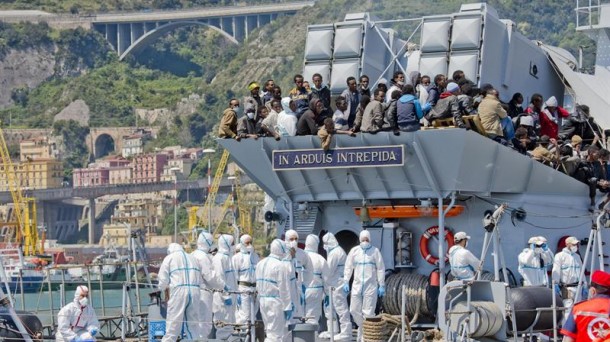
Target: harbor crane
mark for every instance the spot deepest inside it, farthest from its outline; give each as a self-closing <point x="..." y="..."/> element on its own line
<point x="26" y="233"/>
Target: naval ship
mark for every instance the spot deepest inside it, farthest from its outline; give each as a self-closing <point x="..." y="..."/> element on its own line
<point x="414" y="190"/>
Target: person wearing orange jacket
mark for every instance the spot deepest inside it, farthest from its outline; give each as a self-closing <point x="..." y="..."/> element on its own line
<point x="590" y="320"/>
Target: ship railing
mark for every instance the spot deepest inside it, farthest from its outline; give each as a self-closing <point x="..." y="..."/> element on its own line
<point x="588" y="13"/>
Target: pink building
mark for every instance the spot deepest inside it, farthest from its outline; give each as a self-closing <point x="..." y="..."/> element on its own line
<point x="120" y="174"/>
<point x="148" y="168"/>
<point x="90" y="177"/>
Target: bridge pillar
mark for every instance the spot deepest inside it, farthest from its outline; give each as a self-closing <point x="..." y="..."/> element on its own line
<point x="92" y="221"/>
<point x="264" y="19"/>
<point x="123" y="38"/>
<point x="137" y="31"/>
<point x="112" y="35"/>
<point x="226" y="24"/>
<point x="251" y="24"/>
<point x="239" y="27"/>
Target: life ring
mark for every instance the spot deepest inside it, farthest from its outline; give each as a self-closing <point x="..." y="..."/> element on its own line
<point x="423" y="244"/>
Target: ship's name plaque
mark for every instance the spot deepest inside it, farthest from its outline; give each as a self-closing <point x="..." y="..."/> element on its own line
<point x="378" y="156"/>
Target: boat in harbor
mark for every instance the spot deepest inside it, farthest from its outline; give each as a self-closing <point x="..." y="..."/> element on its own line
<point x="414" y="190"/>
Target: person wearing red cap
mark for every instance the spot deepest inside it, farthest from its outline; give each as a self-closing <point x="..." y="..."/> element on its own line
<point x="590" y="320"/>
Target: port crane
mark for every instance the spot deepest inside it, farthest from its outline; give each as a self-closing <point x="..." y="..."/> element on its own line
<point x="24" y="211"/>
<point x="234" y="199"/>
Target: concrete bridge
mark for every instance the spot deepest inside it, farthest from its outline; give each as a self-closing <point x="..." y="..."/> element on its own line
<point x="129" y="33"/>
<point x="61" y="209"/>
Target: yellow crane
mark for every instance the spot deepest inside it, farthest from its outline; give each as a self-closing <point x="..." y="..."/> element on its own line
<point x="26" y="232"/>
<point x="236" y="201"/>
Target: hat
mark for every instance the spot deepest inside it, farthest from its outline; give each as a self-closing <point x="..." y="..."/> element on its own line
<point x="460" y="236"/>
<point x="533" y="239"/>
<point x="452" y="87"/>
<point x="365" y="234"/>
<point x="601" y="278"/>
<point x="572" y="240"/>
<point x="253" y="85"/>
<point x="551" y="102"/>
<point x="545" y="139"/>
<point x="382" y="81"/>
<point x="526" y="120"/>
<point x="576" y="140"/>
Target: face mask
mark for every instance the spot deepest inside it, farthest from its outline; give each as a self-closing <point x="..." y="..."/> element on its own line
<point x="293" y="244"/>
<point x="249" y="248"/>
<point x="400" y="83"/>
<point x="83" y="301"/>
<point x="538" y="250"/>
<point x="573" y="249"/>
<point x="237" y="110"/>
<point x="326" y="247"/>
<point x="365" y="244"/>
<point x="250" y="115"/>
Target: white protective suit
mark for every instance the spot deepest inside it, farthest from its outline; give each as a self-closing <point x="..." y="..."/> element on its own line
<point x="368" y="268"/>
<point x="179" y="272"/>
<point x="463" y="262"/>
<point x="245" y="265"/>
<point x="314" y="290"/>
<point x="75" y="320"/>
<point x="301" y="264"/>
<point x="533" y="263"/>
<point x="333" y="277"/>
<point x="210" y="280"/>
<point x="223" y="265"/>
<point x="272" y="282"/>
<point x="566" y="271"/>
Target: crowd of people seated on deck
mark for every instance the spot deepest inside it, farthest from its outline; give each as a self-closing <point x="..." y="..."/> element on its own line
<point x="569" y="142"/>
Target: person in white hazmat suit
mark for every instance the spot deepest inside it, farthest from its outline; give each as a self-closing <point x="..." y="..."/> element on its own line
<point x="463" y="263"/>
<point x="366" y="263"/>
<point x="224" y="309"/>
<point x="245" y="262"/>
<point x="566" y="271"/>
<point x="180" y="278"/>
<point x="210" y="280"/>
<point x="302" y="267"/>
<point x="272" y="285"/>
<point x="77" y="320"/>
<point x="314" y="290"/>
<point x="533" y="262"/>
<point x="333" y="278"/>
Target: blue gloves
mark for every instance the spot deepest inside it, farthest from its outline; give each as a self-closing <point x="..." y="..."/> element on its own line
<point x="326" y="301"/>
<point x="346" y="288"/>
<point x="287" y="314"/>
<point x="227" y="288"/>
<point x="381" y="291"/>
<point x="545" y="247"/>
<point x="93" y="331"/>
<point x="532" y="245"/>
<point x="557" y="289"/>
<point x="228" y="301"/>
<point x="239" y="300"/>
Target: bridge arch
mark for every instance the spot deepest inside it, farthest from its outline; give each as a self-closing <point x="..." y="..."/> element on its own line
<point x="137" y="46"/>
<point x="104" y="145"/>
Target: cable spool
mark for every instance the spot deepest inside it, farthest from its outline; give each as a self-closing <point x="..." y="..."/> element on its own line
<point x="525" y="301"/>
<point x="416" y="285"/>
<point x="485" y="318"/>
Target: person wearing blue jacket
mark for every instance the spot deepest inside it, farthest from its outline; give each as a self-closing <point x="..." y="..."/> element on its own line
<point x="408" y="110"/>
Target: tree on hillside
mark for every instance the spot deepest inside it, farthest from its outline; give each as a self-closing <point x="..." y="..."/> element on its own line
<point x="74" y="146"/>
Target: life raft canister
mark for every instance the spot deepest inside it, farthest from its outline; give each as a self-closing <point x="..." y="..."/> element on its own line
<point x="423" y="244"/>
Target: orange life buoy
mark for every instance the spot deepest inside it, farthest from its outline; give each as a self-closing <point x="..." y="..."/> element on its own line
<point x="423" y="244"/>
